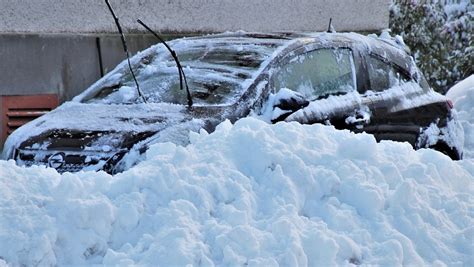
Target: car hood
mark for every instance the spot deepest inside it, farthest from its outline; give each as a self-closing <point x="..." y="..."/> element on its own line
<point x="78" y="126"/>
<point x="86" y="141"/>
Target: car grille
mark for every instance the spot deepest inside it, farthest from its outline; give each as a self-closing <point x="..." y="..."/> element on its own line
<point x="71" y="168"/>
<point x="67" y="167"/>
<point x="72" y="161"/>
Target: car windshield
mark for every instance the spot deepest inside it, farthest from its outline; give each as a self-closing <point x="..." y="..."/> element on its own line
<point x="216" y="71"/>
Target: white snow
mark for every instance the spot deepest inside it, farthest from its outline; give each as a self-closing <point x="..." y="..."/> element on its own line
<point x="360" y="117"/>
<point x="462" y="95"/>
<point x="251" y="194"/>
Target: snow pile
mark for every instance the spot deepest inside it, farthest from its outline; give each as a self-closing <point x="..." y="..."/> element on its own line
<point x="462" y="95"/>
<point x="248" y="194"/>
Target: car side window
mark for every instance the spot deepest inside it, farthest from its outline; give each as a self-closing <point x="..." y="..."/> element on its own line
<point x="383" y="75"/>
<point x="318" y="73"/>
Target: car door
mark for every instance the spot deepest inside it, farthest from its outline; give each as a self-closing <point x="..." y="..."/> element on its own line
<point x="326" y="78"/>
<point x="391" y="90"/>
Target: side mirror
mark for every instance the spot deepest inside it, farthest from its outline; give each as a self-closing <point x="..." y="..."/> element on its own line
<point x="286" y="102"/>
<point x="291" y="102"/>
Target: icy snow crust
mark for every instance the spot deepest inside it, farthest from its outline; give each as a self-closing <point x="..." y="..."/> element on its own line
<point x="251" y="194"/>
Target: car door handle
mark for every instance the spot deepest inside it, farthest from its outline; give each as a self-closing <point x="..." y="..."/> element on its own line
<point x="358" y="119"/>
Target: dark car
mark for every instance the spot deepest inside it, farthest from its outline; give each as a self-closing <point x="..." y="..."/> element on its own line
<point x="361" y="83"/>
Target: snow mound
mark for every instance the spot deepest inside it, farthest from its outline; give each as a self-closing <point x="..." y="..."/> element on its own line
<point x="462" y="95"/>
<point x="251" y="194"/>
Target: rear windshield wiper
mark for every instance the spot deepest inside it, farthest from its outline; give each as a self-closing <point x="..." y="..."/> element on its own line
<point x="182" y="76"/>
<point x="124" y="43"/>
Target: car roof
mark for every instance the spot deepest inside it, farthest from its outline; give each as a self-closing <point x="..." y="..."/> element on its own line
<point x="385" y="47"/>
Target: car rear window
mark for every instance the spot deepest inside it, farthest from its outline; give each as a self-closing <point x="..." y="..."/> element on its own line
<point x="216" y="71"/>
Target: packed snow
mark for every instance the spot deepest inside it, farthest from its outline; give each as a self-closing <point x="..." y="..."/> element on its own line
<point x="251" y="194"/>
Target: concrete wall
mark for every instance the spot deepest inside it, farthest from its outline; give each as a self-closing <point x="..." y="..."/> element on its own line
<point x="92" y="16"/>
<point x="61" y="64"/>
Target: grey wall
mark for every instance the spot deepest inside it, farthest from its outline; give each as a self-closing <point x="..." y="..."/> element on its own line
<point x="46" y="64"/>
<point x="91" y="16"/>
<point x="59" y="64"/>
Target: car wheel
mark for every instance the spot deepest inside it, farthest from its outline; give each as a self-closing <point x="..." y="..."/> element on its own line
<point x="447" y="150"/>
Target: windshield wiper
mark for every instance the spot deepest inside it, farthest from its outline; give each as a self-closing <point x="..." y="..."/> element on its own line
<point x="182" y="76"/>
<point x="124" y="43"/>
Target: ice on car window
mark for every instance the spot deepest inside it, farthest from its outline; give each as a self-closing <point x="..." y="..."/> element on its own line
<point x="383" y="75"/>
<point x="318" y="73"/>
<point x="215" y="72"/>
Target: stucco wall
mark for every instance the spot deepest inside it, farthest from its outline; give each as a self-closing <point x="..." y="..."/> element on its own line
<point x="92" y="16"/>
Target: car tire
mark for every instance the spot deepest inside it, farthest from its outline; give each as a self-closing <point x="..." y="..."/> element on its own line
<point x="442" y="147"/>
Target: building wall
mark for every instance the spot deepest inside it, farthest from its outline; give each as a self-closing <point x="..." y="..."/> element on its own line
<point x="62" y="64"/>
<point x="92" y="16"/>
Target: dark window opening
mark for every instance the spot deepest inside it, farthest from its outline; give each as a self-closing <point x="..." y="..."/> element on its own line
<point x="383" y="75"/>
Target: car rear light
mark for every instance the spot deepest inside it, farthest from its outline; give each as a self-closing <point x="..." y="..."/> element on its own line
<point x="450" y="104"/>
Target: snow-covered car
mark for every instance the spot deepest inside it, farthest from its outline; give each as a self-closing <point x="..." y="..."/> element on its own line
<point x="361" y="83"/>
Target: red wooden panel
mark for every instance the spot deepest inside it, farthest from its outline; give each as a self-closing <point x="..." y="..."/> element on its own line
<point x="18" y="110"/>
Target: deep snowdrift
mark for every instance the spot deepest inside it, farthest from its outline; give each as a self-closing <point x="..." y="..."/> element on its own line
<point x="248" y="194"/>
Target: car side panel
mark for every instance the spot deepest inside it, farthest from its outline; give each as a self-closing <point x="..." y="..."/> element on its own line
<point x="405" y="125"/>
